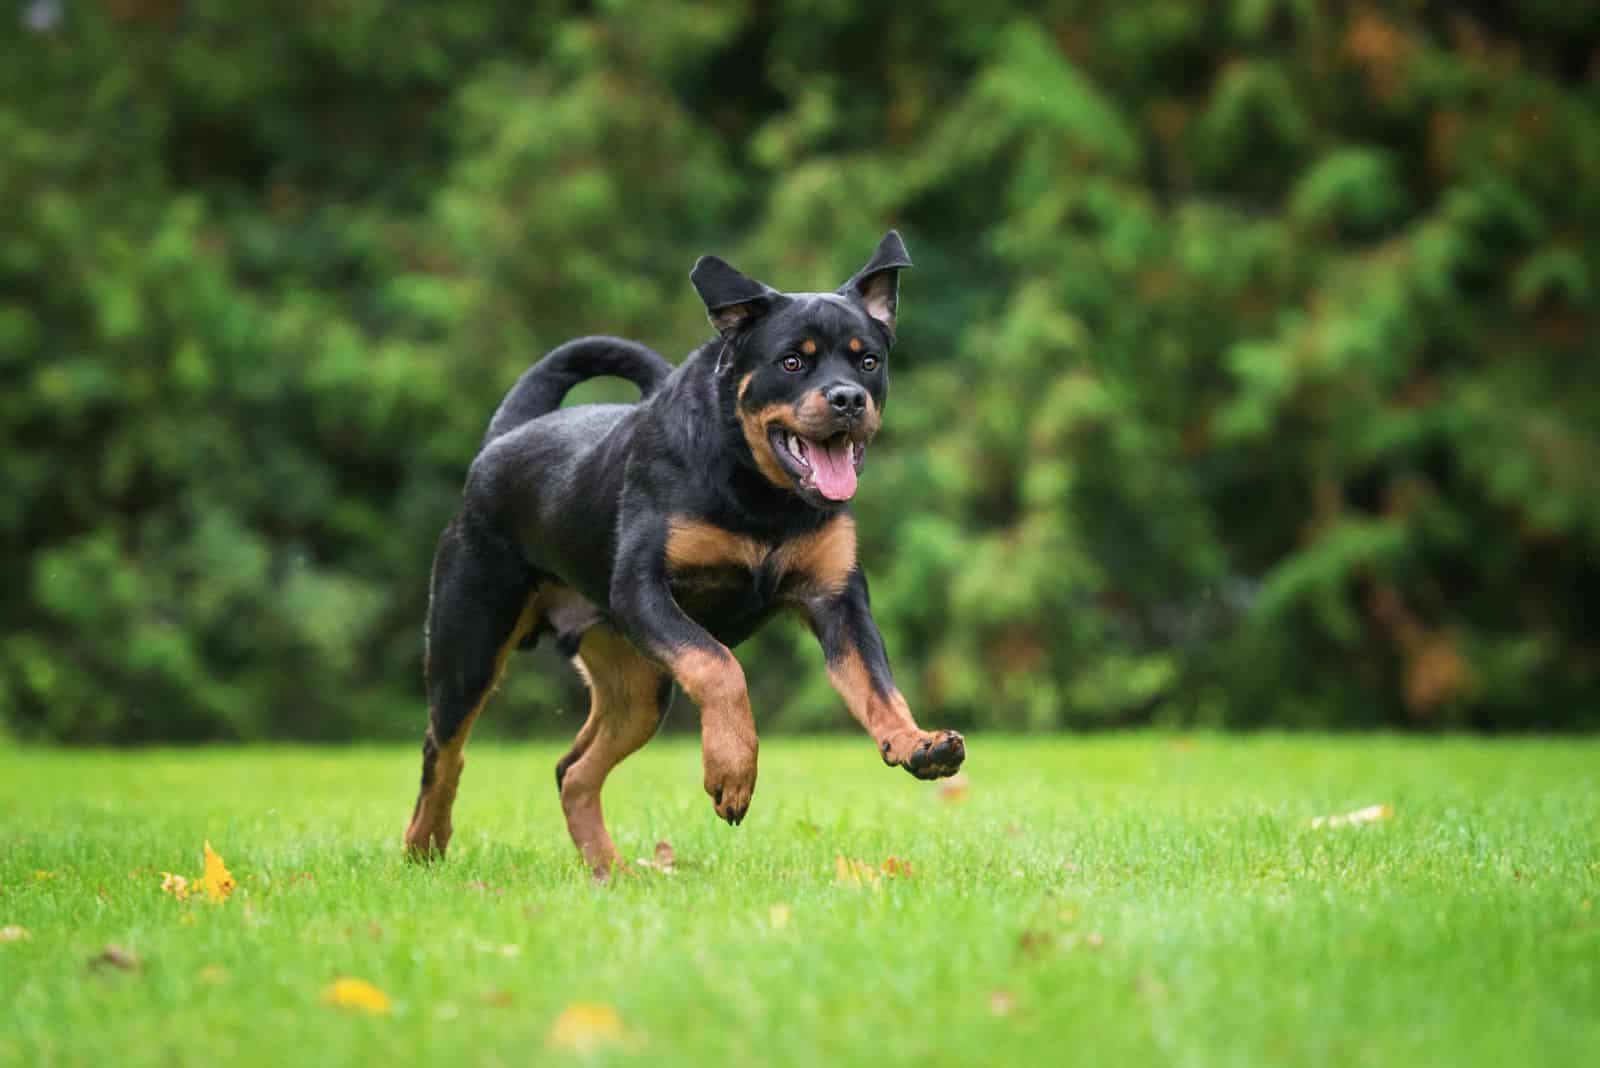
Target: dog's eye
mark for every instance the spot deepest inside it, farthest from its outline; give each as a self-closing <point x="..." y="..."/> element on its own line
<point x="869" y="363"/>
<point x="793" y="363"/>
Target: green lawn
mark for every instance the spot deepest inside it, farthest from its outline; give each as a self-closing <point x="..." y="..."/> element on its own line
<point x="1133" y="900"/>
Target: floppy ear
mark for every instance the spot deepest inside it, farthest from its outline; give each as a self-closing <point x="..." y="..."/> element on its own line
<point x="877" y="285"/>
<point x="732" y="299"/>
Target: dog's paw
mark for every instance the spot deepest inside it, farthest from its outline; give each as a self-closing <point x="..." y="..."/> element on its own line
<point x="926" y="755"/>
<point x="730" y="778"/>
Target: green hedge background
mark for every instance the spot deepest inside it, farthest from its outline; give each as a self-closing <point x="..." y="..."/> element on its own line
<point x="1247" y="375"/>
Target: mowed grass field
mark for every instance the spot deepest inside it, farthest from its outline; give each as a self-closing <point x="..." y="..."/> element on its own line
<point x="1146" y="899"/>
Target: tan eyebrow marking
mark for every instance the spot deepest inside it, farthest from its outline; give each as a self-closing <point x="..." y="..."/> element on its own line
<point x="855" y="344"/>
<point x="808" y="347"/>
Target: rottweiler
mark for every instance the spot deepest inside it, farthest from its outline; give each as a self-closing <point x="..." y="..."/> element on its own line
<point x="648" y="539"/>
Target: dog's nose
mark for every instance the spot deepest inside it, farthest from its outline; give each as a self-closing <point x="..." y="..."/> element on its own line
<point x="846" y="400"/>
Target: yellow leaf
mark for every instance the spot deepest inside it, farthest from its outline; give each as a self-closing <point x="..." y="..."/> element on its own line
<point x="218" y="881"/>
<point x="854" y="872"/>
<point x="176" y="885"/>
<point x="211" y="973"/>
<point x="357" y="994"/>
<point x="897" y="868"/>
<point x="585" y="1027"/>
<point x="13" y="933"/>
<point x="778" y="916"/>
<point x="1370" y="814"/>
<point x="41" y="876"/>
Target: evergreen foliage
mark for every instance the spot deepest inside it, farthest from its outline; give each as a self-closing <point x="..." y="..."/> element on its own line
<point x="1245" y="376"/>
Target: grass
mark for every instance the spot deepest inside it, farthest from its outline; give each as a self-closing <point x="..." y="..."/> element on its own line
<point x="1132" y="900"/>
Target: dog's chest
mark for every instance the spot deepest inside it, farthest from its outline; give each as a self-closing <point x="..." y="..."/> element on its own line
<point x="719" y="575"/>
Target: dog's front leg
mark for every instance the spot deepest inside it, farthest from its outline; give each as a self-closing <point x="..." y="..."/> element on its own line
<point x="858" y="668"/>
<point x="642" y="605"/>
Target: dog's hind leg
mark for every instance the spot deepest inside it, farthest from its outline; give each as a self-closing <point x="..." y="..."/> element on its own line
<point x="482" y="605"/>
<point x="628" y="696"/>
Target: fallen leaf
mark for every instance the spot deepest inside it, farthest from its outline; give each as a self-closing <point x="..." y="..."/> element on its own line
<point x="211" y="973"/>
<point x="114" y="956"/>
<point x="218" y="881"/>
<point x="778" y="916"/>
<point x="854" y="872"/>
<point x="499" y="999"/>
<point x="1034" y="943"/>
<point x="41" y="876"/>
<point x="954" y="788"/>
<point x="663" y="860"/>
<point x="176" y="885"/>
<point x="357" y="994"/>
<point x="896" y="868"/>
<point x="1002" y="1003"/>
<point x="14" y="933"/>
<point x="585" y="1027"/>
<point x="1370" y="814"/>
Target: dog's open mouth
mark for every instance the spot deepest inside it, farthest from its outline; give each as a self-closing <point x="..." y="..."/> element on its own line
<point x="829" y="467"/>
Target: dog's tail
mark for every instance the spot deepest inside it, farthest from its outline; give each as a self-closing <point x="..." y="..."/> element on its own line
<point x="540" y="389"/>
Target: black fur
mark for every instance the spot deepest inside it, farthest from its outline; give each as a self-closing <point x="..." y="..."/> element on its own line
<point x="583" y="497"/>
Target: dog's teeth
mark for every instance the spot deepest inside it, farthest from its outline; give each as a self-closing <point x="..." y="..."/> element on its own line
<point x="794" y="447"/>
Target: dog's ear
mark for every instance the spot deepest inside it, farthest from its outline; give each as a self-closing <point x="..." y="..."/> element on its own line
<point x="732" y="299"/>
<point x="877" y="285"/>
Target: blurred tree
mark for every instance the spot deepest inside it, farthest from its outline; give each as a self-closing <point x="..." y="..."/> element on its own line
<point x="1242" y="379"/>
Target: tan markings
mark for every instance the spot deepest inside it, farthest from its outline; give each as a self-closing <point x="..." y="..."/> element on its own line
<point x="812" y="414"/>
<point x="696" y="543"/>
<point x="886" y="717"/>
<point x="710" y="678"/>
<point x="754" y="425"/>
<point x="811" y="418"/>
<point x="714" y="680"/>
<point x="855" y="344"/>
<point x="624" y="691"/>
<point x="430" y="829"/>
<point x="808" y="347"/>
<point x="823" y="559"/>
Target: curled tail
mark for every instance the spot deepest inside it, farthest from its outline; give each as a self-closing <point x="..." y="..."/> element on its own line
<point x="542" y="386"/>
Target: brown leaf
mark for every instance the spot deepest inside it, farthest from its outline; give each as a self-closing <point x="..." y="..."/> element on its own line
<point x="1036" y="944"/>
<point x="498" y="999"/>
<point x="896" y="868"/>
<point x="663" y="860"/>
<point x="1002" y="1003"/>
<point x="120" y="957"/>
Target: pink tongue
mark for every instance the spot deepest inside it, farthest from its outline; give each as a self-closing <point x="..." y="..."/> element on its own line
<point x="832" y="470"/>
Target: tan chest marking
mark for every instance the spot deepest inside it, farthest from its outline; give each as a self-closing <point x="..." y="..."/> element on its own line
<point x="821" y="561"/>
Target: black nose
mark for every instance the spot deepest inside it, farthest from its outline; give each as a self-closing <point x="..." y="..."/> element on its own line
<point x="849" y="401"/>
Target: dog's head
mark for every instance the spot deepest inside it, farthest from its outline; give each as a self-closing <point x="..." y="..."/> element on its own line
<point x="809" y="372"/>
